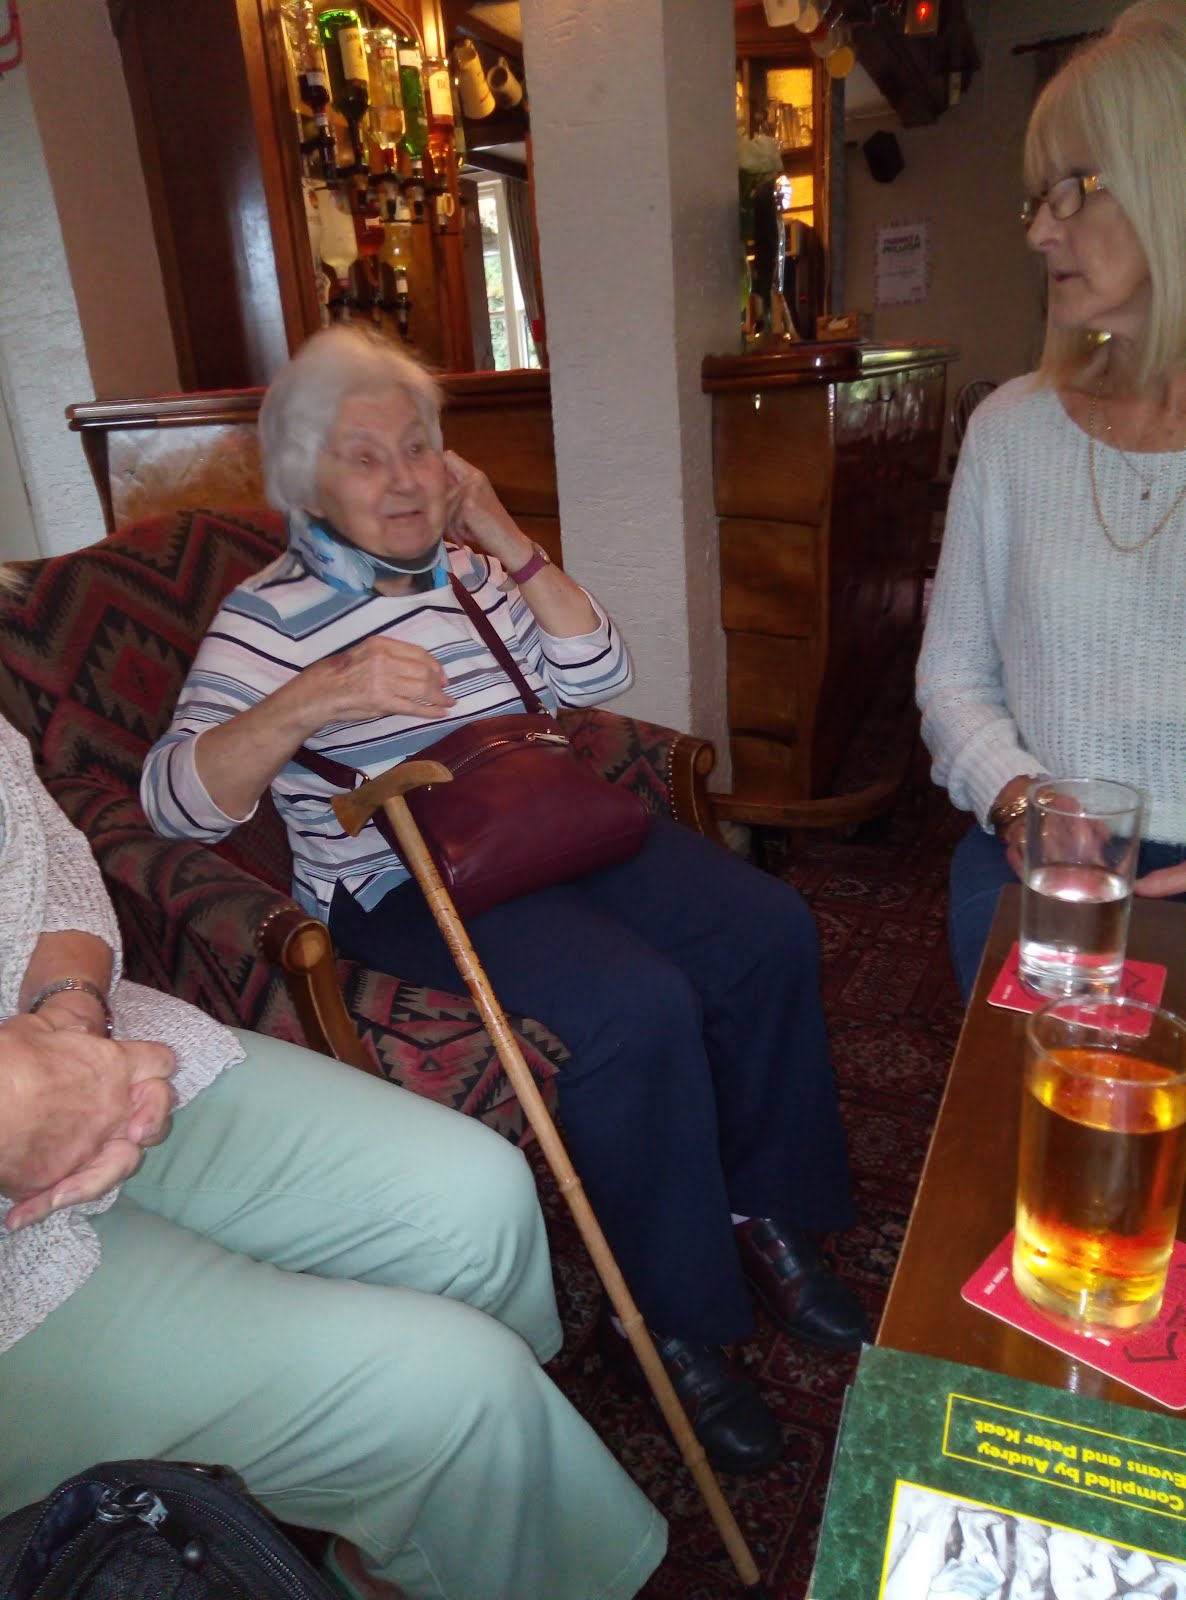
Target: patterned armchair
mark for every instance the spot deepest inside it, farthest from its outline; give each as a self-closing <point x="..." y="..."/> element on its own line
<point x="93" y="650"/>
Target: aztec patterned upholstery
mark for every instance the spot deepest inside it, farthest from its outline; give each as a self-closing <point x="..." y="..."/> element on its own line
<point x="93" y="650"/>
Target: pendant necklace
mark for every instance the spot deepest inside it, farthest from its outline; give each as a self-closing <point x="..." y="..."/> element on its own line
<point x="1147" y="484"/>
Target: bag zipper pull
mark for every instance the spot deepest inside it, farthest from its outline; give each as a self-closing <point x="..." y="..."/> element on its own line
<point x="136" y="1502"/>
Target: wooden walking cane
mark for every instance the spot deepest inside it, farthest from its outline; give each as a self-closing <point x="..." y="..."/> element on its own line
<point x="353" y="809"/>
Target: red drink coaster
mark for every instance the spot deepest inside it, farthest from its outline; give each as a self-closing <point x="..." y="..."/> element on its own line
<point x="1151" y="1360"/>
<point x="1142" y="980"/>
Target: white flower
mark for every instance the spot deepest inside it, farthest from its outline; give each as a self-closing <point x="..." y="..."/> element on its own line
<point x="760" y="154"/>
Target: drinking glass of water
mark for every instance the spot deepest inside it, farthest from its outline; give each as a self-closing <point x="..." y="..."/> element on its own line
<point x="1081" y="842"/>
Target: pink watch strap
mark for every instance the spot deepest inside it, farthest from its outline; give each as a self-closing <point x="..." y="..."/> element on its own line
<point x="529" y="569"/>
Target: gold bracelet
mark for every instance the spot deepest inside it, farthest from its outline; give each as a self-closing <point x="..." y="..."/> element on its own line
<point x="83" y="986"/>
<point x="1008" y="811"/>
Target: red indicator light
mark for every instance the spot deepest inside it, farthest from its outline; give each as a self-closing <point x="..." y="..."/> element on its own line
<point x="922" y="16"/>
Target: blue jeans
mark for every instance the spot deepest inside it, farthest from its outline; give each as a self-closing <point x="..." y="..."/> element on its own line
<point x="686" y="986"/>
<point x="979" y="871"/>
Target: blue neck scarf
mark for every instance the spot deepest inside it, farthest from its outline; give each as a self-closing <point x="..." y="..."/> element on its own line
<point x="333" y="559"/>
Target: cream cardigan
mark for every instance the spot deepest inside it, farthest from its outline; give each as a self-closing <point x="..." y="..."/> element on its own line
<point x="49" y="882"/>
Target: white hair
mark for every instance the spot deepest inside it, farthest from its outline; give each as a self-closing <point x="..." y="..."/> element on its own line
<point x="1123" y="97"/>
<point x="305" y="397"/>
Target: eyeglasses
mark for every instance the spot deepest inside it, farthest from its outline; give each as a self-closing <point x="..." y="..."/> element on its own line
<point x="1065" y="198"/>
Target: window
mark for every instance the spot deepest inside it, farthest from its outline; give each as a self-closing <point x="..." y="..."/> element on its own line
<point x="510" y="331"/>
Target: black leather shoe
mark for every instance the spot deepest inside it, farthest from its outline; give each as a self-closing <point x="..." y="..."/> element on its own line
<point x="727" y="1413"/>
<point x="787" y="1273"/>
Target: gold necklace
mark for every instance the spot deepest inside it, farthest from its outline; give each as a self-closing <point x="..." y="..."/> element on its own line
<point x="1147" y="484"/>
<point x="1124" y="549"/>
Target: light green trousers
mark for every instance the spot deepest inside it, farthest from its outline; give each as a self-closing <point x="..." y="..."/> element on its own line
<point x="336" y="1287"/>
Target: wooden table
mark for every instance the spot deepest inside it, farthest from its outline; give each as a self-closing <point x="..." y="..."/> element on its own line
<point x="964" y="1205"/>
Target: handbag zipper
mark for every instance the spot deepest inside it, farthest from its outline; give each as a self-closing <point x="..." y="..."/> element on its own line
<point x="526" y="738"/>
<point x="136" y="1502"/>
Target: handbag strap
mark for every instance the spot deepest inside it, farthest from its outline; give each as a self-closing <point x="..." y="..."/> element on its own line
<point x="344" y="777"/>
<point x="497" y="648"/>
<point x="335" y="772"/>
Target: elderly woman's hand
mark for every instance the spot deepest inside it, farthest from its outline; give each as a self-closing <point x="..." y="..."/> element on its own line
<point x="78" y="1113"/>
<point x="478" y="516"/>
<point x="381" y="677"/>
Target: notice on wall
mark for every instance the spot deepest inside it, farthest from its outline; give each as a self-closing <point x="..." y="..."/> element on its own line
<point x="902" y="263"/>
<point x="10" y="35"/>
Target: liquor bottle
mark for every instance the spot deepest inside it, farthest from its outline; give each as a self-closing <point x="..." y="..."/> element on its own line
<point x="339" y="241"/>
<point x="288" y="27"/>
<point x="458" y="121"/>
<point x="349" y="82"/>
<point x="386" y="108"/>
<point x="440" y="96"/>
<point x="312" y="77"/>
<point x="411" y="87"/>
<point x="368" y="219"/>
<point x="343" y="143"/>
<point x="395" y="257"/>
<point x="389" y="184"/>
<point x="415" y="188"/>
<point x="476" y="99"/>
<point x="312" y="199"/>
<point x="440" y="121"/>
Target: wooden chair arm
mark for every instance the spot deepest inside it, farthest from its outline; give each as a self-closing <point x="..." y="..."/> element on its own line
<point x="828" y="811"/>
<point x="169" y="892"/>
<point x="300" y="946"/>
<point x="691" y="762"/>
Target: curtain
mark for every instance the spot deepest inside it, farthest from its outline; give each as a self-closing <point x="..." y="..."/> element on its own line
<point x="519" y="211"/>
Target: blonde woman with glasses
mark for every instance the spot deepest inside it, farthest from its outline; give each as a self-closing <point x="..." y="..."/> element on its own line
<point x="1055" y="642"/>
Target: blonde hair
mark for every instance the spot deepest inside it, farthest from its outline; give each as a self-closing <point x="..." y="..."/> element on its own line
<point x="1123" y="98"/>
<point x="306" y="395"/>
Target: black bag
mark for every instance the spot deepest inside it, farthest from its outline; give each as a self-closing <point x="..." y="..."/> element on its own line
<point x="151" y="1530"/>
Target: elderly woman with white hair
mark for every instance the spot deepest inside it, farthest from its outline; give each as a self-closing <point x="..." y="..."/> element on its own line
<point x="699" y="1101"/>
<point x="1054" y="644"/>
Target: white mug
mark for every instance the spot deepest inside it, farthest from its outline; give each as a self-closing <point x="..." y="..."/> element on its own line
<point x="506" y="88"/>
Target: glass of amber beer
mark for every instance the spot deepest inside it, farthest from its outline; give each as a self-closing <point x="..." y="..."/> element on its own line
<point x="1102" y="1158"/>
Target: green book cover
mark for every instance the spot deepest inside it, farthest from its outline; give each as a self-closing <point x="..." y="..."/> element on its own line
<point x="954" y="1484"/>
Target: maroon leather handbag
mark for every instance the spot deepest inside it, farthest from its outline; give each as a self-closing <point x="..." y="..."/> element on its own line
<point x="523" y="811"/>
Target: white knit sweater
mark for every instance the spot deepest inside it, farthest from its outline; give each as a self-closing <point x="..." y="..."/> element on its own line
<point x="1047" y="650"/>
<point x="49" y="882"/>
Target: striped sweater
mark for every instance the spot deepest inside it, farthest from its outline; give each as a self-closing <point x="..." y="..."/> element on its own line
<point x="282" y="620"/>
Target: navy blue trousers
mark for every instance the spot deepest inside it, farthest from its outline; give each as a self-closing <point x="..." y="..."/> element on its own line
<point x="686" y="986"/>
<point x="979" y="871"/>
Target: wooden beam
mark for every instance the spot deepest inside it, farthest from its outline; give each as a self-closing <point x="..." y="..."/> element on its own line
<point x="489" y="161"/>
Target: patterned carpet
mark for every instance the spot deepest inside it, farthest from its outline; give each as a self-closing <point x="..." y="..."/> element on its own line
<point x="879" y="899"/>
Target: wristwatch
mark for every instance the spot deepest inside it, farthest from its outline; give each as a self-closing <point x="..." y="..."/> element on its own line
<point x="539" y="558"/>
